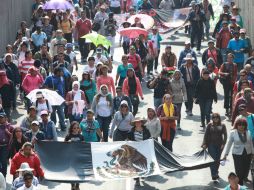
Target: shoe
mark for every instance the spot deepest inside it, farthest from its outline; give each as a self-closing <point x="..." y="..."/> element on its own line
<point x="186" y="111"/>
<point x="156" y="71"/>
<point x="214" y="178"/>
<point x="178" y="127"/>
<point x="190" y="113"/>
<point x="199" y="52"/>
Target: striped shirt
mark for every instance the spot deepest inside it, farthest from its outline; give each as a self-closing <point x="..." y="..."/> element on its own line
<point x="25" y="65"/>
<point x="138" y="135"/>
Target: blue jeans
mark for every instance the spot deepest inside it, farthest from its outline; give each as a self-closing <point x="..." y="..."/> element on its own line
<point x="190" y="88"/>
<point x="224" y="52"/>
<point x="157" y="102"/>
<point x="215" y="152"/>
<point x="207" y="27"/>
<point x="179" y="108"/>
<point x="60" y="113"/>
<point x="3" y="159"/>
<point x="104" y="125"/>
<point x="205" y="110"/>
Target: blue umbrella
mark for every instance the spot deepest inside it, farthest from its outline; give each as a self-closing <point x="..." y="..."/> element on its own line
<point x="58" y="5"/>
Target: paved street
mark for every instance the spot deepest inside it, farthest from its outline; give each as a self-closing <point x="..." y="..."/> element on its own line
<point x="187" y="141"/>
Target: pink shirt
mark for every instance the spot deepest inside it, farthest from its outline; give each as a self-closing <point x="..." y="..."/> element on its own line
<point x="31" y="83"/>
<point x="108" y="81"/>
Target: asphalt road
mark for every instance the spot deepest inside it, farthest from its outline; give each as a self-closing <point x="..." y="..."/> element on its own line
<point x="187" y="142"/>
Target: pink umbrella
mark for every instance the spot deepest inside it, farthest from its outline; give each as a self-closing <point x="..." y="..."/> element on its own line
<point x="58" y="5"/>
<point x="133" y="32"/>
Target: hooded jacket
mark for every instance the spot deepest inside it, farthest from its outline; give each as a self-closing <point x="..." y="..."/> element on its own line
<point x="178" y="89"/>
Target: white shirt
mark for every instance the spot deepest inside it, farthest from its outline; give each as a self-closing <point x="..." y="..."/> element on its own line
<point x="103" y="108"/>
<point x="115" y="3"/>
<point x="89" y="69"/>
<point x="2" y="182"/>
<point x="102" y="59"/>
<point x="154" y="41"/>
<point x="189" y="74"/>
<point x="72" y="55"/>
<point x="30" y="188"/>
<point x="40" y="107"/>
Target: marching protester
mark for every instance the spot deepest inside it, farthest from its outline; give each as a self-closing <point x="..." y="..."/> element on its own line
<point x="122" y="120"/>
<point x="205" y="94"/>
<point x="168" y="58"/>
<point x="179" y="94"/>
<point x="215" y="139"/>
<point x="132" y="88"/>
<point x="102" y="107"/>
<point x="47" y="126"/>
<point x="119" y="98"/>
<point x="167" y="113"/>
<point x="153" y="123"/>
<point x="241" y="140"/>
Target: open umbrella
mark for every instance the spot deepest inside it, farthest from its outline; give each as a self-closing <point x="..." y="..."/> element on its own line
<point x="58" y="5"/>
<point x="145" y="19"/>
<point x="52" y="96"/>
<point x="133" y="32"/>
<point x="97" y="39"/>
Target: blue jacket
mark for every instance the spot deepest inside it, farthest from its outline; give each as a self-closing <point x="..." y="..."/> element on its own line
<point x="236" y="45"/>
<point x="195" y="74"/>
<point x="49" y="130"/>
<point x="183" y="54"/>
<point x="55" y="83"/>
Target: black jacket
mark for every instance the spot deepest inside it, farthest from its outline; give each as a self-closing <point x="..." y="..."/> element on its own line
<point x="205" y="89"/>
<point x="146" y="134"/>
<point x="12" y="73"/>
<point x="7" y="92"/>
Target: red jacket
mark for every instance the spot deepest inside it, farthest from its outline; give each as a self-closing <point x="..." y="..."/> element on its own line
<point x="126" y="87"/>
<point x="33" y="161"/>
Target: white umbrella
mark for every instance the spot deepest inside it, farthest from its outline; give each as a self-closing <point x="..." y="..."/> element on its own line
<point x="52" y="96"/>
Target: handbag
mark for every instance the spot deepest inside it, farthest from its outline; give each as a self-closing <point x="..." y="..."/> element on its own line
<point x="134" y="99"/>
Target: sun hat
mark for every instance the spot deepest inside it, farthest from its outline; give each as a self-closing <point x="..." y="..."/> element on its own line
<point x="188" y="57"/>
<point x="24" y="167"/>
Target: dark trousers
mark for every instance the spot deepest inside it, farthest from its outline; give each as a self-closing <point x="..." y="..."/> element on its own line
<point x="120" y="135"/>
<point x="60" y="113"/>
<point x="228" y="93"/>
<point x="116" y="10"/>
<point x="178" y="111"/>
<point x="242" y="165"/>
<point x="139" y="75"/>
<point x="156" y="61"/>
<point x="104" y="125"/>
<point x="215" y="152"/>
<point x="120" y="82"/>
<point x="126" y="46"/>
<point x="190" y="88"/>
<point x="205" y="110"/>
<point x="169" y="143"/>
<point x="83" y="48"/>
<point x="7" y="111"/>
<point x="3" y="159"/>
<point x="196" y="34"/>
<point x="150" y="66"/>
<point x="68" y="37"/>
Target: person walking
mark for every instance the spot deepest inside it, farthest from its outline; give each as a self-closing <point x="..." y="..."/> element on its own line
<point x="153" y="123"/>
<point x="132" y="88"/>
<point x="243" y="149"/>
<point x="215" y="139"/>
<point x="205" y="94"/>
<point x="179" y="94"/>
<point x="47" y="126"/>
<point x="122" y="121"/>
<point x="191" y="75"/>
<point x="168" y="115"/>
<point x="83" y="26"/>
<point x="228" y="76"/>
<point x="102" y="106"/>
<point x="119" y="98"/>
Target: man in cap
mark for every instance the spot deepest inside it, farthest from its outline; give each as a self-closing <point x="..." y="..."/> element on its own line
<point x="38" y="38"/>
<point x="234" y="27"/>
<point x="83" y="26"/>
<point x="69" y="51"/>
<point x="100" y="57"/>
<point x="212" y="52"/>
<point x="247" y="41"/>
<point x="222" y="39"/>
<point x="35" y="134"/>
<point x="237" y="46"/>
<point x="44" y="56"/>
<point x="47" y="126"/>
<point x="19" y="181"/>
<point x="183" y="53"/>
<point x="5" y="137"/>
<point x="119" y="98"/>
<point x="191" y="75"/>
<point x="48" y="28"/>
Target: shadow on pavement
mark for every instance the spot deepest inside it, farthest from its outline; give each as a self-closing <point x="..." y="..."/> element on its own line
<point x="184" y="133"/>
<point x="145" y="187"/>
<point x="178" y="175"/>
<point x="157" y="178"/>
<point x="194" y="187"/>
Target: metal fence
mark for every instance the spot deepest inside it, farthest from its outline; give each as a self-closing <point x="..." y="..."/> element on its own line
<point x="12" y="12"/>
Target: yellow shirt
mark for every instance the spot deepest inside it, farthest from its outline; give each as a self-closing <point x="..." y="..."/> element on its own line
<point x="66" y="26"/>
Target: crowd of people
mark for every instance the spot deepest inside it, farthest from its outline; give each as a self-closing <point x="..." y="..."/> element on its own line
<point x="43" y="57"/>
